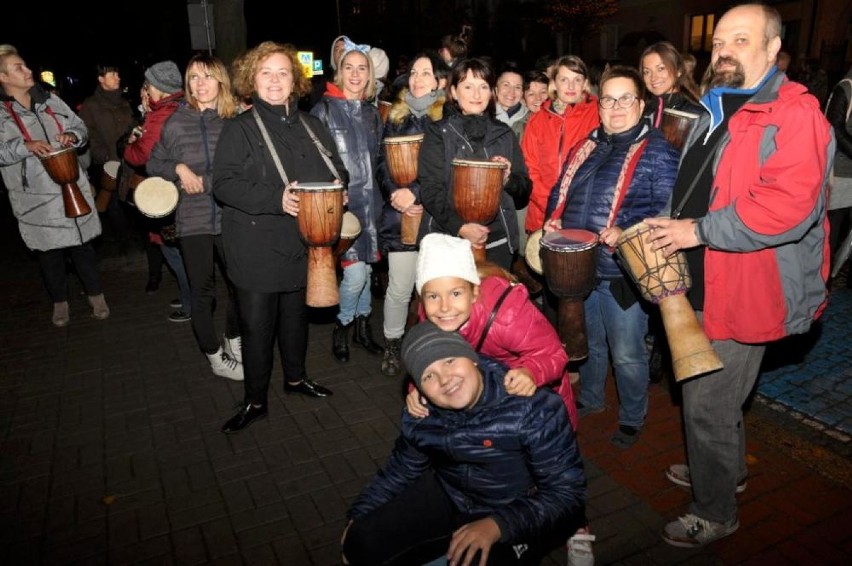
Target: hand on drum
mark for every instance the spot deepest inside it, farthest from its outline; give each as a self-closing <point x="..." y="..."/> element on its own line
<point x="671" y="236"/>
<point x="189" y="181"/>
<point x="609" y="236"/>
<point x="39" y="147"/>
<point x="508" y="170"/>
<point x="401" y="199"/>
<point x="476" y="234"/>
<point x="415" y="404"/>
<point x="552" y="225"/>
<point x="290" y="200"/>
<point x="520" y="382"/>
<point x="67" y="139"/>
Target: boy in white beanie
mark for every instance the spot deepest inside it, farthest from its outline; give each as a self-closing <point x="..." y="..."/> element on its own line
<point x="527" y="489"/>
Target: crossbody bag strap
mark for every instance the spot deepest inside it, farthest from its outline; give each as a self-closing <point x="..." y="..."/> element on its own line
<point x="268" y="142"/>
<point x="679" y="209"/>
<point x="493" y="315"/>
<point x="324" y="153"/>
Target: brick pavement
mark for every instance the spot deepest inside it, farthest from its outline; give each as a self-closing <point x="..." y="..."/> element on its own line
<point x="110" y="451"/>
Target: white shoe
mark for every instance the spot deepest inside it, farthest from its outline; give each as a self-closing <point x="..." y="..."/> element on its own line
<point x="233" y="347"/>
<point x="224" y="365"/>
<point x="580" y="548"/>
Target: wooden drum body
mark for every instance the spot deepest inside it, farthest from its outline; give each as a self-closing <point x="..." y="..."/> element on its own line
<point x="569" y="262"/>
<point x="155" y="197"/>
<point x="676" y="125"/>
<point x="62" y="168"/>
<point x="401" y="153"/>
<point x="477" y="190"/>
<point x="320" y="219"/>
<point x="108" y="185"/>
<point x="665" y="281"/>
<point x="350" y="229"/>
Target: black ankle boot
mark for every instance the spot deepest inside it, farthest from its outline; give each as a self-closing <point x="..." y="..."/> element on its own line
<point x="391" y="364"/>
<point x="364" y="336"/>
<point x="340" y="341"/>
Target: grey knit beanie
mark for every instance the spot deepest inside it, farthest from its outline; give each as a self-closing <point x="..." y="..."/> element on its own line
<point x="165" y="76"/>
<point x="425" y="343"/>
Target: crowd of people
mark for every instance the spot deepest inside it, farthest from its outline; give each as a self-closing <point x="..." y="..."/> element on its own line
<point x="487" y="464"/>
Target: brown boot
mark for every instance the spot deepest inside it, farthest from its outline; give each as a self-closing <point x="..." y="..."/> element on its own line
<point x="519" y="268"/>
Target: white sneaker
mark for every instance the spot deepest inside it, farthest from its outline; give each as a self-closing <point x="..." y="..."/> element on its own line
<point x="224" y="365"/>
<point x="580" y="548"/>
<point x="233" y="347"/>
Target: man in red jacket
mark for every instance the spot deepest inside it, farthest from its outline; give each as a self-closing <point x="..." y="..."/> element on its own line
<point x="749" y="209"/>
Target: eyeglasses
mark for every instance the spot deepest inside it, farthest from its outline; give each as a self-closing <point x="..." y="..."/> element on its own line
<point x="624" y="101"/>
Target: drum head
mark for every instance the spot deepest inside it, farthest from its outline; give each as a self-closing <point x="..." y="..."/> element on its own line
<point x="485" y="163"/>
<point x="532" y="256"/>
<point x="569" y="240"/>
<point x="403" y="139"/>
<point x="155" y="197"/>
<point x="111" y="168"/>
<point x="351" y="227"/>
<point x="318" y="187"/>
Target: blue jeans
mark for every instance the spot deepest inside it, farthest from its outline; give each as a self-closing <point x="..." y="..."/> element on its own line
<point x="355" y="297"/>
<point x="715" y="431"/>
<point x="621" y="333"/>
<point x="175" y="262"/>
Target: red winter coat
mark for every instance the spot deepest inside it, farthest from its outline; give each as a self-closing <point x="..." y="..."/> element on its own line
<point x="138" y="152"/>
<point x="520" y="337"/>
<point x="547" y="140"/>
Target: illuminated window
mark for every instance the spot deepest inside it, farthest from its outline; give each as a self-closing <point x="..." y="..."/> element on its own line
<point x="701" y="32"/>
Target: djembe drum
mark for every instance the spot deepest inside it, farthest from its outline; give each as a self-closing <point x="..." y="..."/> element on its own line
<point x="569" y="261"/>
<point x="350" y="229"/>
<point x="676" y="125"/>
<point x="477" y="190"/>
<point x="156" y="197"/>
<point x="664" y="282"/>
<point x="61" y="166"/>
<point x="401" y="153"/>
<point x="320" y="218"/>
<point x="109" y="178"/>
<point x="384" y="110"/>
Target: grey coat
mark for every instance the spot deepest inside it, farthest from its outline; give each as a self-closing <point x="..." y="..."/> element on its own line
<point x="36" y="200"/>
<point x="190" y="137"/>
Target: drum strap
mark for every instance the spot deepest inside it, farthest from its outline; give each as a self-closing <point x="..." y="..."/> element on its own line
<point x="324" y="153"/>
<point x="493" y="315"/>
<point x="20" y="123"/>
<point x="677" y="211"/>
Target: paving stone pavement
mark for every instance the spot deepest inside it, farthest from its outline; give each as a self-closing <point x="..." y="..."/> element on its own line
<point x="110" y="450"/>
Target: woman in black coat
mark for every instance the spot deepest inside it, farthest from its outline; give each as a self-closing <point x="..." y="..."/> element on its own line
<point x="266" y="258"/>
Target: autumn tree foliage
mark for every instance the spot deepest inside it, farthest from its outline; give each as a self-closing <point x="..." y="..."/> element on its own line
<point x="577" y="17"/>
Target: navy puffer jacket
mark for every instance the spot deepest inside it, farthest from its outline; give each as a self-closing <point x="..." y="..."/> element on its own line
<point x="591" y="191"/>
<point x="512" y="458"/>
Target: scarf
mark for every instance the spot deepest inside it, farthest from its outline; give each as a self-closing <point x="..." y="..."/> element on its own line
<point x="420" y="105"/>
<point x="475" y="126"/>
<point x="712" y="100"/>
<point x="511" y="111"/>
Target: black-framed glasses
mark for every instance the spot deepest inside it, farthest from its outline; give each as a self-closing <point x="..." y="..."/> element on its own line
<point x="624" y="101"/>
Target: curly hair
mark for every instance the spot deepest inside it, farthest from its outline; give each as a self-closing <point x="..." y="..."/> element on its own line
<point x="246" y="66"/>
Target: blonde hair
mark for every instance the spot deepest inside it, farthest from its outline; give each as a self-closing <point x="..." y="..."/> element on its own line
<point x="572" y="63"/>
<point x="6" y="51"/>
<point x="245" y="67"/>
<point x="370" y="90"/>
<point x="226" y="103"/>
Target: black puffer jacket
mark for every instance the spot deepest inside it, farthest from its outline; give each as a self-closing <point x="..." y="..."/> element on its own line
<point x="190" y="137"/>
<point x="446" y="140"/>
<point x="263" y="248"/>
<point x="512" y="458"/>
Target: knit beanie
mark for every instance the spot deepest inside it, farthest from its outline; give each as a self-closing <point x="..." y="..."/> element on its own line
<point x="425" y="343"/>
<point x="381" y="64"/>
<point x="444" y="256"/>
<point x="165" y="76"/>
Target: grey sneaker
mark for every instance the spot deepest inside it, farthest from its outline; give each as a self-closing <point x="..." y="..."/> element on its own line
<point x="100" y="310"/>
<point x="678" y="474"/>
<point x="60" y="316"/>
<point x="580" y="551"/>
<point x="691" y="531"/>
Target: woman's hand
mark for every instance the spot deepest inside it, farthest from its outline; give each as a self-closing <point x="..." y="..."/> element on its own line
<point x="67" y="139"/>
<point x="609" y="236"/>
<point x="402" y="198"/>
<point x="290" y="200"/>
<point x="415" y="404"/>
<point x="189" y="181"/>
<point x="508" y="170"/>
<point x="476" y="234"/>
<point x="552" y="225"/>
<point x="520" y="382"/>
<point x="39" y="148"/>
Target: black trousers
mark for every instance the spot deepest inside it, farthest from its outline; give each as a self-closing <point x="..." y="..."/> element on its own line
<point x="263" y="318"/>
<point x="201" y="254"/>
<point x="416" y="527"/>
<point x="55" y="275"/>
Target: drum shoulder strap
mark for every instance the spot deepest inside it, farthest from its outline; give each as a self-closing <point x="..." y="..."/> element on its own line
<point x="324" y="153"/>
<point x="493" y="315"/>
<point x="268" y="141"/>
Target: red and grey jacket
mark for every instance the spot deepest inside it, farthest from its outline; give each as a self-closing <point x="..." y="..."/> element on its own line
<point x="767" y="258"/>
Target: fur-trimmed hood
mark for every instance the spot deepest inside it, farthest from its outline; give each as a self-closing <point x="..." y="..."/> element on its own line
<point x="400" y="111"/>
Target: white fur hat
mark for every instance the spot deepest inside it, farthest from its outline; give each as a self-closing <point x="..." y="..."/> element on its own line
<point x="444" y="256"/>
<point x="381" y="64"/>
